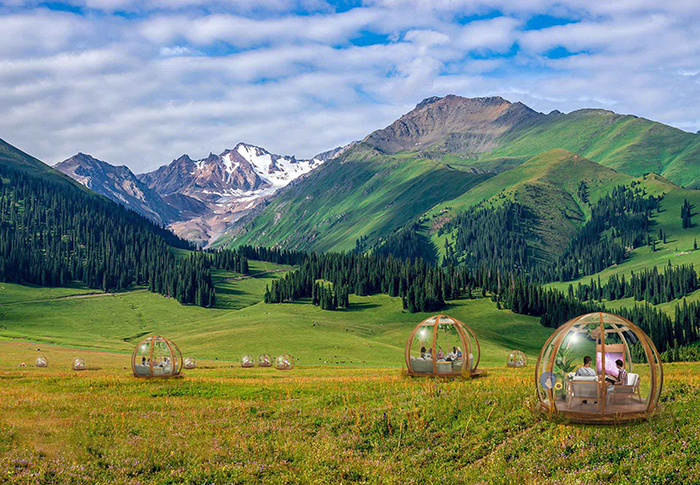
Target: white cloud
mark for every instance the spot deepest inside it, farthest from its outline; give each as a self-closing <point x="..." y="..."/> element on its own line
<point x="191" y="76"/>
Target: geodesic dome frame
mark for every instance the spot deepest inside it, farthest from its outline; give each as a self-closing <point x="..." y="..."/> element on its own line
<point x="284" y="362"/>
<point x="437" y="330"/>
<point x="156" y="356"/>
<point x="516" y="359"/>
<point x="591" y="398"/>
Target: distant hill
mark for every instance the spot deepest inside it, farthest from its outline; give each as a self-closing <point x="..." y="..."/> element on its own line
<point x="118" y="184"/>
<point x="550" y="186"/>
<point x="454" y="145"/>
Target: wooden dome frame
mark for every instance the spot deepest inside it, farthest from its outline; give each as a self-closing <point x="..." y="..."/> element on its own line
<point x="466" y="336"/>
<point x="512" y="360"/>
<point x="175" y="357"/>
<point x="606" y="413"/>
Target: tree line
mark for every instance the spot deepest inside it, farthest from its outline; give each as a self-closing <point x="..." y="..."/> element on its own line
<point x="648" y="284"/>
<point x="52" y="234"/>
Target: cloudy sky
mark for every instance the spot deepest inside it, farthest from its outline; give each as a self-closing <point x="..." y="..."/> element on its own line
<point x="140" y="82"/>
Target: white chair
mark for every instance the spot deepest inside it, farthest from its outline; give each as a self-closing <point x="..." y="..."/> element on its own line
<point x="583" y="388"/>
<point x="626" y="391"/>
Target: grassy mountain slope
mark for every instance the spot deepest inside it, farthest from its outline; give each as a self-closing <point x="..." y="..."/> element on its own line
<point x="373" y="188"/>
<point x="364" y="194"/>
<point x="629" y="144"/>
<point x="679" y="244"/>
<point x="18" y="160"/>
<point x="548" y="185"/>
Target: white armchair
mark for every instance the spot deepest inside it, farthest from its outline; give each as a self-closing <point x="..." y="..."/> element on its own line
<point x="583" y="388"/>
<point x="628" y="390"/>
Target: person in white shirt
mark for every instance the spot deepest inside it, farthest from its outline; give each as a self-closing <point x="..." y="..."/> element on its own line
<point x="586" y="370"/>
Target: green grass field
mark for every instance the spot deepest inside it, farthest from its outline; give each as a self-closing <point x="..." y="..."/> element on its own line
<point x="345" y="414"/>
<point x="318" y="425"/>
<point x="372" y="332"/>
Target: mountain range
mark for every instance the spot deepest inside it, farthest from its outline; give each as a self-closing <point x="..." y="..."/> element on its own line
<point x="440" y="157"/>
<point x="196" y="199"/>
<point x="446" y="155"/>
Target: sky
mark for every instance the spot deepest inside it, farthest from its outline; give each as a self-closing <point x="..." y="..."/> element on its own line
<point x="141" y="82"/>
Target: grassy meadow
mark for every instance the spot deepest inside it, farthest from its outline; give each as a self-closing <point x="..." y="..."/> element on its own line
<point x="345" y="414"/>
<point x="222" y="424"/>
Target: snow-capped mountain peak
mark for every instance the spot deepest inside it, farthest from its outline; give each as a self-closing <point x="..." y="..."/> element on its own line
<point x="230" y="184"/>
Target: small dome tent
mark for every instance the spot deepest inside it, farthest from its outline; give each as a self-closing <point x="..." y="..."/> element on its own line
<point x="78" y="364"/>
<point x="156" y="356"/>
<point x="42" y="361"/>
<point x="516" y="359"/>
<point x="247" y="361"/>
<point x="599" y="368"/>
<point x="284" y="362"/>
<point x="442" y="346"/>
<point x="265" y="360"/>
<point x="190" y="363"/>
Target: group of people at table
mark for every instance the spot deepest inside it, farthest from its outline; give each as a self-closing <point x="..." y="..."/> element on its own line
<point x="455" y="354"/>
<point x="611" y="379"/>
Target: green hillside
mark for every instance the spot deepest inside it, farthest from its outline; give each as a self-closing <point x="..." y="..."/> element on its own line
<point x="372" y="332"/>
<point x="629" y="144"/>
<point x="15" y="159"/>
<point x="367" y="193"/>
<point x="679" y="245"/>
<point x="363" y="194"/>
<point x="548" y="185"/>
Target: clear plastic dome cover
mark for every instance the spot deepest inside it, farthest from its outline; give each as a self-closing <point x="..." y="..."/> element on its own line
<point x="156" y="357"/>
<point x="599" y="368"/>
<point x="442" y="346"/>
<point x="190" y="363"/>
<point x="516" y="359"/>
<point x="284" y="362"/>
<point x="247" y="361"/>
<point x="42" y="361"/>
<point x="79" y="364"/>
<point x="265" y="360"/>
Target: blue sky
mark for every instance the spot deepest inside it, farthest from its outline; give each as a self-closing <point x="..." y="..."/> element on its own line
<point x="142" y="82"/>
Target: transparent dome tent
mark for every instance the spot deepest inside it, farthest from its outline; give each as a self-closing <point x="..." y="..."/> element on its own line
<point x="622" y="381"/>
<point x="516" y="359"/>
<point x="156" y="356"/>
<point x="247" y="361"/>
<point x="78" y="364"/>
<point x="265" y="360"/>
<point x="284" y="362"/>
<point x="442" y="346"/>
<point x="190" y="363"/>
<point x="42" y="362"/>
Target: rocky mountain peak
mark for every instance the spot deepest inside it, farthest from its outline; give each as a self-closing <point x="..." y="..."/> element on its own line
<point x="455" y="123"/>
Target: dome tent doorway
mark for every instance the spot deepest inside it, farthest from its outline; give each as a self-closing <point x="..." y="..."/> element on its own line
<point x="619" y="352"/>
<point x="442" y="346"/>
<point x="156" y="356"/>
